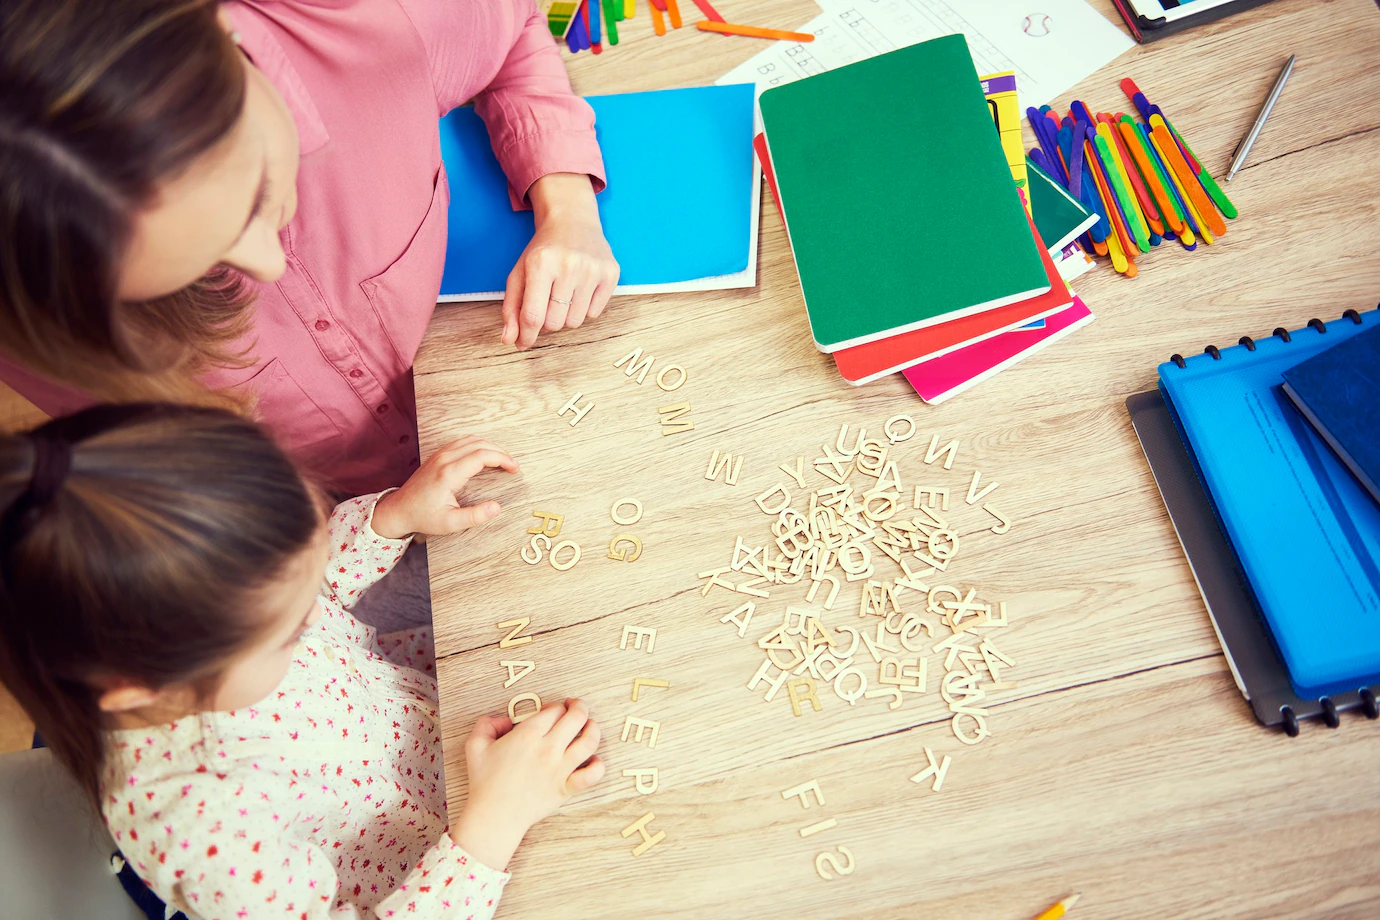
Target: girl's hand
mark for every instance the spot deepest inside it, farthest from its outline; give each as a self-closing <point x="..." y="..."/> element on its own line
<point x="426" y="503"/>
<point x="567" y="273"/>
<point x="520" y="774"/>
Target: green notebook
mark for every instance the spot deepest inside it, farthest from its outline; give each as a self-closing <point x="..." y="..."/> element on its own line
<point x="1058" y="215"/>
<point x="899" y="205"/>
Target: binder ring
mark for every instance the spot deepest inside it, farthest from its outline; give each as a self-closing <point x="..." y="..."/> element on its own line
<point x="1178" y="360"/>
<point x="1317" y="324"/>
<point x="1247" y="341"/>
<point x="1368" y="703"/>
<point x="1213" y="350"/>
<point x="1329" y="712"/>
<point x="1353" y="316"/>
<point x="1291" y="721"/>
<point x="1282" y="333"/>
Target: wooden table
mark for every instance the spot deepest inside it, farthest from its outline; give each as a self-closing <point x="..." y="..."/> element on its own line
<point x="1125" y="764"/>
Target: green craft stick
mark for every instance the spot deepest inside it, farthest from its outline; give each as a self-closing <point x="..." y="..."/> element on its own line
<point x="1128" y="204"/>
<point x="610" y="22"/>
<point x="1210" y="185"/>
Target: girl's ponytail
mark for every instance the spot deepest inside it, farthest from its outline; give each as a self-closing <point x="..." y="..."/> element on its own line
<point x="132" y="541"/>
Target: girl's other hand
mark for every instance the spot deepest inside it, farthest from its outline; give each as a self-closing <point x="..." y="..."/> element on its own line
<point x="520" y="774"/>
<point x="567" y="273"/>
<point x="427" y="503"/>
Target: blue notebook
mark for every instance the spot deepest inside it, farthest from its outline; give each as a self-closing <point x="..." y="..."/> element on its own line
<point x="1339" y="393"/>
<point x="680" y="206"/>
<point x="1306" y="534"/>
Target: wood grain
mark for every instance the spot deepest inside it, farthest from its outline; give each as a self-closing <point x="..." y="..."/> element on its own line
<point x="1125" y="764"/>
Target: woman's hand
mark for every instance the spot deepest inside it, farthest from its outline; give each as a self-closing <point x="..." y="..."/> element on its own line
<point x="567" y="273"/>
<point x="427" y="503"/>
<point x="520" y="774"/>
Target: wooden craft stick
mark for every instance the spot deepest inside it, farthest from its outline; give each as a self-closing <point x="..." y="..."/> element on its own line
<point x="728" y="28"/>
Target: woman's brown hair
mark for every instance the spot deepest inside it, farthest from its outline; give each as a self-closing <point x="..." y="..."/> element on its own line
<point x="100" y="101"/>
<point x="133" y="540"/>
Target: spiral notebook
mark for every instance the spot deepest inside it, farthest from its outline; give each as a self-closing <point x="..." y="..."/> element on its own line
<point x="1283" y="542"/>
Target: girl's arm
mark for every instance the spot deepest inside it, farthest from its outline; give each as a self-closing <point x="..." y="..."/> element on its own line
<point x="219" y="847"/>
<point x="359" y="554"/>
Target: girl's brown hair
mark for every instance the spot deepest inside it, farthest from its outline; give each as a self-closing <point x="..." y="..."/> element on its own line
<point x="100" y="101"/>
<point x="133" y="540"/>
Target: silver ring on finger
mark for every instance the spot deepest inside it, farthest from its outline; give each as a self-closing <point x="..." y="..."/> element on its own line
<point x="564" y="303"/>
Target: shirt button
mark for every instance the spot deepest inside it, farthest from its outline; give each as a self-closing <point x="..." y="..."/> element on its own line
<point x="322" y="325"/>
<point x="404" y="439"/>
<point x="356" y="373"/>
<point x="382" y="409"/>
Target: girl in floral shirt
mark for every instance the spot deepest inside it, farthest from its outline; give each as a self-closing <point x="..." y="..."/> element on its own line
<point x="256" y="750"/>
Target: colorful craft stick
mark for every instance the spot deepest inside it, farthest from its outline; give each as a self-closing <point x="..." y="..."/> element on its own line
<point x="591" y="12"/>
<point x="1187" y="236"/>
<point x="1200" y="200"/>
<point x="729" y="28"/>
<point x="611" y="8"/>
<point x="629" y="8"/>
<point x="1146" y="201"/>
<point x="709" y="12"/>
<point x="1135" y="221"/>
<point x="658" y="22"/>
<point x="674" y="11"/>
<point x="1191" y="215"/>
<point x="1148" y="110"/>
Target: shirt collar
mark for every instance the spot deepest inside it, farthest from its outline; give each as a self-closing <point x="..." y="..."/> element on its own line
<point x="259" y="43"/>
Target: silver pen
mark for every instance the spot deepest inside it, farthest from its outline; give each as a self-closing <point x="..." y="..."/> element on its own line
<point x="1243" y="148"/>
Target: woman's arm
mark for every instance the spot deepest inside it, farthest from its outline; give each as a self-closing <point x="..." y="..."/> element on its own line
<point x="501" y="54"/>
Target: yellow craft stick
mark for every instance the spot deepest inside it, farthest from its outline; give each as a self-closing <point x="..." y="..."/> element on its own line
<point x="1119" y="260"/>
<point x="1183" y="196"/>
<point x="629" y="7"/>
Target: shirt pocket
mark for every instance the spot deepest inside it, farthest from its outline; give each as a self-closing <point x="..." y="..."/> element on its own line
<point x="403" y="295"/>
<point x="298" y="424"/>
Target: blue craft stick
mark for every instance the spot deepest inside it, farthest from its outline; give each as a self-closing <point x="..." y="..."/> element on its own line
<point x="1038" y="156"/>
<point x="1142" y="106"/>
<point x="1155" y="238"/>
<point x="572" y="35"/>
<point x="1081" y="112"/>
<point x="1041" y="127"/>
<point x="1076" y="161"/>
<point x="594" y="34"/>
<point x="1090" y="198"/>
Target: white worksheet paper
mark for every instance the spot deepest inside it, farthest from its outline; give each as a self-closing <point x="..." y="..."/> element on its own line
<point x="1050" y="44"/>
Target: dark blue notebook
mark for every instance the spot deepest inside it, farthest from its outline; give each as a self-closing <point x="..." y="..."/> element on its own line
<point x="1307" y="536"/>
<point x="1339" y="393"/>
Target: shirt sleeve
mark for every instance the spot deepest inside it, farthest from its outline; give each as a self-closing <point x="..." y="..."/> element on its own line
<point x="359" y="557"/>
<point x="500" y="53"/>
<point x="211" y="845"/>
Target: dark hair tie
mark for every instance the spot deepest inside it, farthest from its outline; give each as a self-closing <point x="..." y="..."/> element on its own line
<point x="52" y="463"/>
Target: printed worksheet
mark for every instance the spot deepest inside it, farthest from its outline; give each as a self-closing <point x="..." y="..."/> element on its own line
<point x="1049" y="44"/>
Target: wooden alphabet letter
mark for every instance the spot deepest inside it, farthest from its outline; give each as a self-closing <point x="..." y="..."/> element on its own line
<point x="671" y="422"/>
<point x="579" y="412"/>
<point x="645" y="781"/>
<point x="516" y="626"/>
<point x="650" y="726"/>
<point x="640" y="682"/>
<point x="730" y="466"/>
<point x="637" y="633"/>
<point x="827" y="857"/>
<point x="515" y="675"/>
<point x="649" y="840"/>
<point x="636" y="364"/>
<point x="937" y="770"/>
<point x="801" y="690"/>
<point x="617" y="553"/>
<point x="523" y="698"/>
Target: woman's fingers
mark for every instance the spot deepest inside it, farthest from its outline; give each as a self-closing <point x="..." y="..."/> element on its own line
<point x="564" y="295"/>
<point x="512" y="302"/>
<point x="536" y="298"/>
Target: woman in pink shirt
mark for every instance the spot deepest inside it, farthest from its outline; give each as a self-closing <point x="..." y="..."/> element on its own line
<point x="245" y="205"/>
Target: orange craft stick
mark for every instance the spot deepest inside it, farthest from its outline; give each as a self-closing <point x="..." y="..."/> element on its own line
<point x="1187" y="178"/>
<point x="674" y="12"/>
<point x="1152" y="179"/>
<point x="729" y="28"/>
<point x="658" y="24"/>
<point x="1123" y="237"/>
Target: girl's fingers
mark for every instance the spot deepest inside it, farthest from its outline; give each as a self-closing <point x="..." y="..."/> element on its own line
<point x="457" y="472"/>
<point x="541" y="722"/>
<point x="512" y="302"/>
<point x="586" y="776"/>
<point x="458" y="519"/>
<point x="584" y="745"/>
<point x="536" y="297"/>
<point x="571" y="723"/>
<point x="487" y="730"/>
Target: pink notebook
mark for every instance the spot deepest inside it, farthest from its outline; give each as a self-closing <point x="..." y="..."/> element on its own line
<point x="948" y="375"/>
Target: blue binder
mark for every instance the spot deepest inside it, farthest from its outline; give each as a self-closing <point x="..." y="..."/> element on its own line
<point x="1306" y="535"/>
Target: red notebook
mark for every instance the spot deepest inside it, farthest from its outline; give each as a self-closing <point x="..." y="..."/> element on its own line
<point x="950" y="375"/>
<point x="873" y="360"/>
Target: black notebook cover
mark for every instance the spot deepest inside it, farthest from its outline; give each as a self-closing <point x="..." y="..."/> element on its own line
<point x="1146" y="29"/>
<point x="1255" y="663"/>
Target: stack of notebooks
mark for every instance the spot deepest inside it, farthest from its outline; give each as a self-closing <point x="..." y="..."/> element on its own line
<point x="1267" y="456"/>
<point x="922" y="246"/>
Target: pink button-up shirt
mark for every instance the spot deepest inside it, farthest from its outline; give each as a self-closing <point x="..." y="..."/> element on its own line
<point x="366" y="80"/>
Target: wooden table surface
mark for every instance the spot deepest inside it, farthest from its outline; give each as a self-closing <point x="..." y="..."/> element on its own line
<point x="1125" y="764"/>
